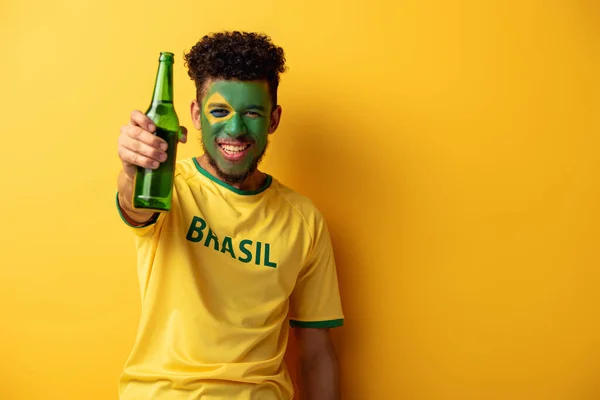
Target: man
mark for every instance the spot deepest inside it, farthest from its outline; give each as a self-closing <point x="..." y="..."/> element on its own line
<point x="239" y="258"/>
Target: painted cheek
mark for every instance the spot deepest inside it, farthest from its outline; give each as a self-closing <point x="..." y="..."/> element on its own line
<point x="209" y="133"/>
<point x="259" y="129"/>
<point x="210" y="130"/>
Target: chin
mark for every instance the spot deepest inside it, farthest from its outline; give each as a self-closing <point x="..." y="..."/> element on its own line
<point x="232" y="176"/>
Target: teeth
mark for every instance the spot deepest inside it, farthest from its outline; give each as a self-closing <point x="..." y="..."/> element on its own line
<point x="233" y="149"/>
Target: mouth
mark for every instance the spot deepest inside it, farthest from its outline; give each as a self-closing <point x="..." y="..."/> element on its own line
<point x="234" y="151"/>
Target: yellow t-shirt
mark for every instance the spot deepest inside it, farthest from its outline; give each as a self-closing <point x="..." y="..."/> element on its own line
<point x="222" y="277"/>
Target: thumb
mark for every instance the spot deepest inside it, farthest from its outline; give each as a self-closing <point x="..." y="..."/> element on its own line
<point x="182" y="134"/>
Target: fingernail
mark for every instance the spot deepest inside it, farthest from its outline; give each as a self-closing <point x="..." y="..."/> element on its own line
<point x="154" y="164"/>
<point x="151" y="127"/>
<point x="163" y="146"/>
<point x="162" y="157"/>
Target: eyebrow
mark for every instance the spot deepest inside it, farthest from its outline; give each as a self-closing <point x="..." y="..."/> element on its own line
<point x="219" y="105"/>
<point x="223" y="105"/>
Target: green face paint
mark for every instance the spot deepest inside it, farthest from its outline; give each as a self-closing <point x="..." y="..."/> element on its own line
<point x="235" y="118"/>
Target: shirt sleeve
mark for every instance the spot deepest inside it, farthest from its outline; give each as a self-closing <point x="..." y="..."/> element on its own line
<point x="315" y="301"/>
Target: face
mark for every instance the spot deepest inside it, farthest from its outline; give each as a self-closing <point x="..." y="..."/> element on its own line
<point x="236" y="119"/>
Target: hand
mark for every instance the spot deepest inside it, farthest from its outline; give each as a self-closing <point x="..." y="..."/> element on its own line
<point x="139" y="147"/>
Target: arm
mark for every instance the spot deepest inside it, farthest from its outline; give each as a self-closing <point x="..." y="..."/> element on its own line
<point x="138" y="146"/>
<point x="125" y="190"/>
<point x="318" y="364"/>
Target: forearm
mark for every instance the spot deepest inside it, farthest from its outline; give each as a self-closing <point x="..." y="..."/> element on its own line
<point x="125" y="190"/>
<point x="320" y="376"/>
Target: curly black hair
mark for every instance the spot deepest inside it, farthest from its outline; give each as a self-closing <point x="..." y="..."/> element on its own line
<point x="237" y="55"/>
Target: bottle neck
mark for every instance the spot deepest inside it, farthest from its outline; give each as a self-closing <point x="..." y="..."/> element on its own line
<point x="163" y="87"/>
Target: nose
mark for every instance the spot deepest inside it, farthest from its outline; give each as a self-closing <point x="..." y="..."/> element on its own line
<point x="235" y="126"/>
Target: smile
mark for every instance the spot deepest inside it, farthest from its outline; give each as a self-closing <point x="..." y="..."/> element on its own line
<point x="234" y="152"/>
<point x="233" y="149"/>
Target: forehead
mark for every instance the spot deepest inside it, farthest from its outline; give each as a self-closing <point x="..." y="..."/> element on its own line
<point x="239" y="92"/>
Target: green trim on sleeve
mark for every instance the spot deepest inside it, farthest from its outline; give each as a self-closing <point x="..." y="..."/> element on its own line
<point x="151" y="221"/>
<point x="333" y="323"/>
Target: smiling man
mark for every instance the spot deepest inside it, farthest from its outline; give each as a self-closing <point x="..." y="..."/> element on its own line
<point x="235" y="119"/>
<point x="240" y="258"/>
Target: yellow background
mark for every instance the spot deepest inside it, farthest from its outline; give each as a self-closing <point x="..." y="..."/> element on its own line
<point x="451" y="145"/>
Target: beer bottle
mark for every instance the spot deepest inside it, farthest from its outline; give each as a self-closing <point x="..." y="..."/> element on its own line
<point x="153" y="188"/>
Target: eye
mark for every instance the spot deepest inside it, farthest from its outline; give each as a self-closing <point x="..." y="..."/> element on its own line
<point x="253" y="114"/>
<point x="219" y="112"/>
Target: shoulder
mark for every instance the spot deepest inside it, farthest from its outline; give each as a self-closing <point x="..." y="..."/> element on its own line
<point x="300" y="204"/>
<point x="185" y="168"/>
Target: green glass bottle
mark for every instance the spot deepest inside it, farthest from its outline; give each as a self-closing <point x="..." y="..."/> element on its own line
<point x="153" y="188"/>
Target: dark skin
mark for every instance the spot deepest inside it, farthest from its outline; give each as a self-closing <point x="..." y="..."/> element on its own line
<point x="319" y="364"/>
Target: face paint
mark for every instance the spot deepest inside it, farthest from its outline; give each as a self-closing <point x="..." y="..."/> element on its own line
<point x="235" y="119"/>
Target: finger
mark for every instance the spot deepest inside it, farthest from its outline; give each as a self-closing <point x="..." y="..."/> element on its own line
<point x="142" y="149"/>
<point x="183" y="134"/>
<point x="140" y="119"/>
<point x="139" y="134"/>
<point x="133" y="158"/>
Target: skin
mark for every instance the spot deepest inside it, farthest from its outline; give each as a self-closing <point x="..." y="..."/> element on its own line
<point x="236" y="123"/>
<point x="319" y="365"/>
<point x="240" y="114"/>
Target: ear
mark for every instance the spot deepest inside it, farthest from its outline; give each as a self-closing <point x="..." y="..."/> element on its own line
<point x="275" y="118"/>
<point x="195" y="113"/>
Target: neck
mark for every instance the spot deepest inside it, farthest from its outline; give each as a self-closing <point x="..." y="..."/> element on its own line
<point x="253" y="182"/>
